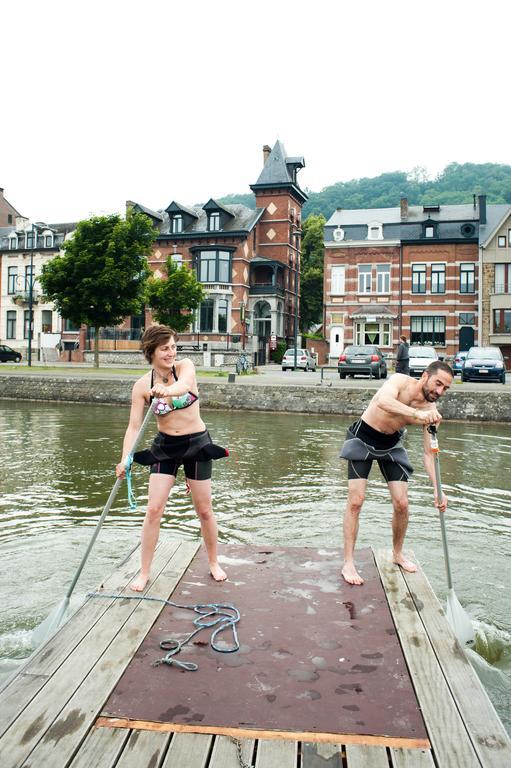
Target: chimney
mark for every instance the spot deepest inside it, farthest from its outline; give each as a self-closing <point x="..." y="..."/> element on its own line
<point x="482" y="209"/>
<point x="404" y="208"/>
<point x="266" y="153"/>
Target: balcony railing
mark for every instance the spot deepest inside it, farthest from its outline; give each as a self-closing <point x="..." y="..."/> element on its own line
<point x="500" y="289"/>
<point x="23" y="297"/>
<point x="217" y="287"/>
<point x="266" y="289"/>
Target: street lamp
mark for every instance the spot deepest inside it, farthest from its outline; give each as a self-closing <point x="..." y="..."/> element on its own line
<point x="30" y="307"/>
<point x="297" y="232"/>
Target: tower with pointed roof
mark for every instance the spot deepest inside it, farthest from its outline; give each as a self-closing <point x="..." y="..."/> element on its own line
<point x="278" y="194"/>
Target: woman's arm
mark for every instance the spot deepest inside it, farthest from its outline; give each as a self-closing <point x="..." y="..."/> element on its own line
<point x="138" y="403"/>
<point x="186" y="383"/>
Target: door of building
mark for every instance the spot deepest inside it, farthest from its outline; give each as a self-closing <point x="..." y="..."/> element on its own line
<point x="336" y="340"/>
<point x="466" y="337"/>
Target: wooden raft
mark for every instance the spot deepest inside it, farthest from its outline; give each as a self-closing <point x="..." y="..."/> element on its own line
<point x="49" y="710"/>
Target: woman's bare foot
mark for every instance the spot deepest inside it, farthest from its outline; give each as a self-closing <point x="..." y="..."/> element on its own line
<point x="351" y="575"/>
<point x="140" y="582"/>
<point x="218" y="573"/>
<point x="405" y="564"/>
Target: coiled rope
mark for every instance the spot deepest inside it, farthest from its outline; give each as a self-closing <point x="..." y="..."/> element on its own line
<point x="223" y="616"/>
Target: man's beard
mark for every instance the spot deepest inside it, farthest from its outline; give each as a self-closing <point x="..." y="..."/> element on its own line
<point x="431" y="397"/>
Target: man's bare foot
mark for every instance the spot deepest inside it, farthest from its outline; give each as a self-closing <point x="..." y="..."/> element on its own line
<point x="405" y="564"/>
<point x="351" y="575"/>
<point x="140" y="583"/>
<point x="218" y="573"/>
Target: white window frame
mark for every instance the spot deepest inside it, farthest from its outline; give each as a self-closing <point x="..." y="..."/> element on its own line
<point x="13" y="238"/>
<point x="501" y="241"/>
<point x="375" y="230"/>
<point x="338" y="281"/>
<point x="365" y="278"/>
<point x="383" y="274"/>
<point x="177" y="224"/>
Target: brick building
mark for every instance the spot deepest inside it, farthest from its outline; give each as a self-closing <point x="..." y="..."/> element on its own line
<point x="495" y="284"/>
<point x="8" y="212"/>
<point x="247" y="260"/>
<point x="409" y="270"/>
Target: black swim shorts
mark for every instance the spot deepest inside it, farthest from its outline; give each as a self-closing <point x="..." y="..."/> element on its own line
<point x="194" y="470"/>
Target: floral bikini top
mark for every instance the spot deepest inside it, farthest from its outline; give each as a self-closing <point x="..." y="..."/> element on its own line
<point x="161" y="407"/>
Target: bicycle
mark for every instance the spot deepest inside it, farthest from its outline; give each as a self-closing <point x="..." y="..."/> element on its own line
<point x="242" y="363"/>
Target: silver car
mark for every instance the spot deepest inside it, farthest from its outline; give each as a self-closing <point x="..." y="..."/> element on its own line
<point x="304" y="360"/>
<point x="420" y="357"/>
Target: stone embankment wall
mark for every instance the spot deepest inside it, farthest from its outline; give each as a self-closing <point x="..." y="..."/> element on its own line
<point x="494" y="405"/>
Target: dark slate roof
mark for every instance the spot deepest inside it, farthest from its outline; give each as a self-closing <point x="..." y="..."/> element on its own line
<point x="449" y="220"/>
<point x="241" y="220"/>
<point x="495" y="216"/>
<point x="148" y="211"/>
<point x="176" y="207"/>
<point x="280" y="171"/>
<point x="212" y="205"/>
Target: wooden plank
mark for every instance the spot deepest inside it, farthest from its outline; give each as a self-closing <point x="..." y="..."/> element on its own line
<point x="411" y="758"/>
<point x="485" y="728"/>
<point x="226" y="755"/>
<point x="99" y="750"/>
<point x="276" y="754"/>
<point x="451" y="744"/>
<point x="363" y="756"/>
<point x="244" y="733"/>
<point x="42" y="664"/>
<point x="70" y="700"/>
<point x="143" y="748"/>
<point x="321" y="755"/>
<point x="188" y="751"/>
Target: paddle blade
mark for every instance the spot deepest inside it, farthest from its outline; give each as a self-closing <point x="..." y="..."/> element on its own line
<point x="459" y="619"/>
<point x="49" y="626"/>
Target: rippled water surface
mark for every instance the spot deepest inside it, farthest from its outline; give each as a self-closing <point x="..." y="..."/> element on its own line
<point x="282" y="485"/>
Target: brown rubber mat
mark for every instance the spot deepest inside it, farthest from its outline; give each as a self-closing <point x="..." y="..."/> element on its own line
<point x="317" y="656"/>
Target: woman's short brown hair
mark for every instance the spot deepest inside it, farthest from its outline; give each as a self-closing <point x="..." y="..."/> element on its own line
<point x="154" y="337"/>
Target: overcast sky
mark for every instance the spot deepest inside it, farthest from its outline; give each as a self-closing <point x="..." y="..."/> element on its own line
<point x="159" y="100"/>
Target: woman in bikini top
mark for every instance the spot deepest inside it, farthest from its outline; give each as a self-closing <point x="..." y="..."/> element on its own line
<point x="161" y="406"/>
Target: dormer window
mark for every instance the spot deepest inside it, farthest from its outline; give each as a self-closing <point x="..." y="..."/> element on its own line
<point x="375" y="231"/>
<point x="13" y="241"/>
<point x="177" y="224"/>
<point x="214" y="221"/>
<point x="429" y="229"/>
<point x="30" y="240"/>
<point x="48" y="239"/>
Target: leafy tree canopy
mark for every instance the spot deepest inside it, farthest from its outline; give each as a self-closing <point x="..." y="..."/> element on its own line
<point x="174" y="297"/>
<point x="99" y="279"/>
<point x="311" y="297"/>
<point x="454" y="185"/>
<point x="312" y="241"/>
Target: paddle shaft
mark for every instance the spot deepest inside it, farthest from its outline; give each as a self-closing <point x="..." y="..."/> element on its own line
<point x="106" y="510"/>
<point x="439" y="493"/>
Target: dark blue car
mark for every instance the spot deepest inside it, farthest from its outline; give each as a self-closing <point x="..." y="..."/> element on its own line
<point x="484" y="364"/>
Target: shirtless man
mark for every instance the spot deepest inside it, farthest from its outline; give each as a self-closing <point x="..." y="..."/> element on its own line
<point x="399" y="402"/>
<point x="170" y="387"/>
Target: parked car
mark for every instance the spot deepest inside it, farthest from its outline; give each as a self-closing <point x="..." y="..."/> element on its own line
<point x="304" y="360"/>
<point x="459" y="359"/>
<point x="7" y="354"/>
<point x="484" y="364"/>
<point x="362" y="359"/>
<point x="420" y="357"/>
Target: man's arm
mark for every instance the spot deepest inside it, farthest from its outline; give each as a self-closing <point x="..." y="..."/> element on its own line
<point x="388" y="401"/>
<point x="429" y="466"/>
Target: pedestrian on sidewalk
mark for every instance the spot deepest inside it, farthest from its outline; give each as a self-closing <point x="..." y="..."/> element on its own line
<point x="403" y="356"/>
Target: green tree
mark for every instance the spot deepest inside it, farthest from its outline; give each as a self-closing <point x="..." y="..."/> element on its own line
<point x="100" y="278"/>
<point x="174" y="297"/>
<point x="311" y="277"/>
<point x="311" y="293"/>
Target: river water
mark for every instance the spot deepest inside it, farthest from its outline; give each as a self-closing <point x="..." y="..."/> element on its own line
<point x="282" y="485"/>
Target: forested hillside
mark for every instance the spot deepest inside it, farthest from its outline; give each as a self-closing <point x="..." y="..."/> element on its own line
<point x="456" y="184"/>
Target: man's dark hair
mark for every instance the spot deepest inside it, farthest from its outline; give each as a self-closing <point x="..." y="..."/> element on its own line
<point x="439" y="365"/>
<point x="155" y="336"/>
<point x="403" y="338"/>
